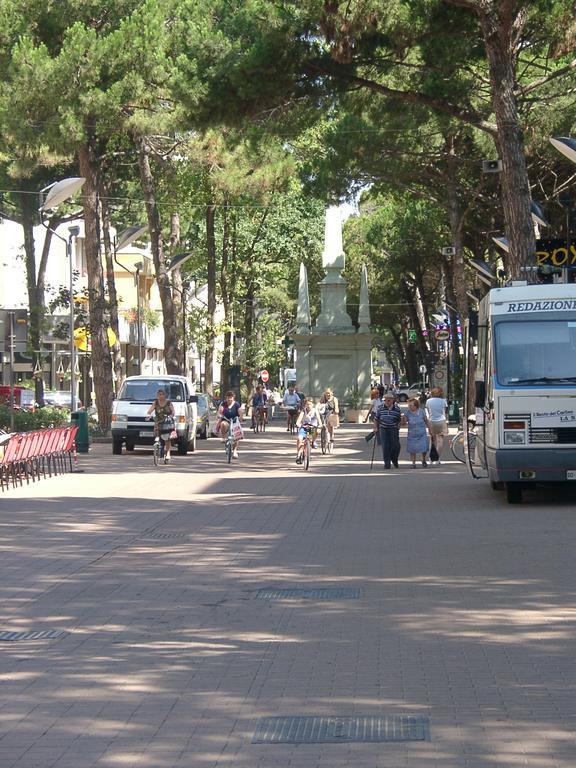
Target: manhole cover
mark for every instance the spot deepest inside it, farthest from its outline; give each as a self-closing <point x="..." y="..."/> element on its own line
<point x="338" y="730"/>
<point x="40" y="634"/>
<point x="165" y="535"/>
<point x="328" y="593"/>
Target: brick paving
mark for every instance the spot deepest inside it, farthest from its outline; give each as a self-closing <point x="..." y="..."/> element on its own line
<point x="465" y="615"/>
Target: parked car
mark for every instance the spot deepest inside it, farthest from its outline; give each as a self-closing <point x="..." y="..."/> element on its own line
<point x="403" y="394"/>
<point x="136" y="395"/>
<point x="206" y="416"/>
<point x="60" y="399"/>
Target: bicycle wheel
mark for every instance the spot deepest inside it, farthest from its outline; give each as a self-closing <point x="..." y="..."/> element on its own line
<point x="306" y="454"/>
<point x="228" y="450"/>
<point x="330" y="445"/>
<point x="457" y="446"/>
<point x="156" y="452"/>
<point x="324" y="439"/>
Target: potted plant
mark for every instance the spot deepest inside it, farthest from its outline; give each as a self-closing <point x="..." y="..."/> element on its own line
<point x="352" y="403"/>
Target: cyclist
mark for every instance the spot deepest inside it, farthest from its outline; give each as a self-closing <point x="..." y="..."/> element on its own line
<point x="290" y="401"/>
<point x="229" y="409"/>
<point x="308" y="421"/>
<point x="259" y="402"/>
<point x="163" y="409"/>
<point x="330" y="409"/>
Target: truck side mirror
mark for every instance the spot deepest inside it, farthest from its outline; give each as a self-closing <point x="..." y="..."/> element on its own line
<point x="193" y="399"/>
<point x="480" y="398"/>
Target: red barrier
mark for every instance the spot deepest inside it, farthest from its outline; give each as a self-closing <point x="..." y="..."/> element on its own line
<point x="30" y="454"/>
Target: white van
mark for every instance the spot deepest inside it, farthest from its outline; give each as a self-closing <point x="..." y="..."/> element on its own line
<point x="136" y="395"/>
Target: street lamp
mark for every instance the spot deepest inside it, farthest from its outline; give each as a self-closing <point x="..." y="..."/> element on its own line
<point x="138" y="266"/>
<point x="567" y="146"/>
<point x="58" y="192"/>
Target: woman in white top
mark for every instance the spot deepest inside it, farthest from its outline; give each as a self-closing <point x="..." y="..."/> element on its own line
<point x="436" y="406"/>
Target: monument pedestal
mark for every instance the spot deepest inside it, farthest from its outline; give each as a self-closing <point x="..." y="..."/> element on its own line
<point x="338" y="361"/>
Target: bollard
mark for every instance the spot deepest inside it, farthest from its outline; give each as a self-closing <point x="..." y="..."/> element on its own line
<point x="80" y="419"/>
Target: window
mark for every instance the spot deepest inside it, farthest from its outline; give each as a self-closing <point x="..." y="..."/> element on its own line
<point x="144" y="390"/>
<point x="535" y="352"/>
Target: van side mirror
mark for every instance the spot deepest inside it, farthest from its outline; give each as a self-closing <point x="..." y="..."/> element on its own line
<point x="480" y="398"/>
<point x="193" y="399"/>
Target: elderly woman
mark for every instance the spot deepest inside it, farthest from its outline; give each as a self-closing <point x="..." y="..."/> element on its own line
<point x="418" y="427"/>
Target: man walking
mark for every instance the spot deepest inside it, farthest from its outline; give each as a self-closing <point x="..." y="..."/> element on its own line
<point x="389" y="417"/>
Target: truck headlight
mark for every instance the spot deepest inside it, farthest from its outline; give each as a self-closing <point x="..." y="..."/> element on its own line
<point x="514" y="437"/>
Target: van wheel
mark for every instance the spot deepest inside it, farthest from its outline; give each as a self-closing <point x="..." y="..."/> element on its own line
<point x="513" y="493"/>
<point x="183" y="445"/>
<point x="116" y="447"/>
<point x="130" y="446"/>
<point x="496" y="485"/>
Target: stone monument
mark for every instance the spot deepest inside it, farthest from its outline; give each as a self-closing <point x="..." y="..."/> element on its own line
<point x="332" y="352"/>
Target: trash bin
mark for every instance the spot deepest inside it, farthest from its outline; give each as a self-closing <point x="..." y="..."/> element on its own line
<point x="80" y="420"/>
<point x="454" y="412"/>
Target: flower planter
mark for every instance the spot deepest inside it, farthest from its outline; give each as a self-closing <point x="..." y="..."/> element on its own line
<point x="355" y="416"/>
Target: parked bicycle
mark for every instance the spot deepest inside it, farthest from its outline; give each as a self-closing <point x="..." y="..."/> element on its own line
<point x="458" y="442"/>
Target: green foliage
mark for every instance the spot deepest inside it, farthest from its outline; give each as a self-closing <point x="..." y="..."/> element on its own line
<point x="27" y="421"/>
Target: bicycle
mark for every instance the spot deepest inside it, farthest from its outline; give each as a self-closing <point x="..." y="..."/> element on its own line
<point x="306" y="447"/>
<point x="165" y="429"/>
<point x="229" y="443"/>
<point x="457" y="443"/>
<point x="259" y="419"/>
<point x="292" y="417"/>
<point x="325" y="441"/>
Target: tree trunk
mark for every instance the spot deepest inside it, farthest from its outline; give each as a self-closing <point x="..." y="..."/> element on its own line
<point x="178" y="290"/>
<point x="157" y="246"/>
<point x="111" y="286"/>
<point x="501" y="28"/>
<point x="101" y="360"/>
<point x="211" y="309"/>
<point x="225" y="290"/>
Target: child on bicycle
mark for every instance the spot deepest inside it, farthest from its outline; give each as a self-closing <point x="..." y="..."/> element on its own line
<point x="228" y="411"/>
<point x="163" y="413"/>
<point x="307" y="423"/>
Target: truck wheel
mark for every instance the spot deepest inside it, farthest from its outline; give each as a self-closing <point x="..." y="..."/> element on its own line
<point x="183" y="445"/>
<point x="116" y="447"/>
<point x="513" y="493"/>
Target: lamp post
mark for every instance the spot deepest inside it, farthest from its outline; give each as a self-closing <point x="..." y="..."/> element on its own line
<point x="139" y="265"/>
<point x="58" y="192"/>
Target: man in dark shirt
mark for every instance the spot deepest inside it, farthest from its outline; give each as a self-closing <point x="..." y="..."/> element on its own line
<point x="389" y="417"/>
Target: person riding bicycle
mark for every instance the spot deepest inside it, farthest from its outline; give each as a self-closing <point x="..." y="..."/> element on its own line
<point x="308" y="422"/>
<point x="330" y="409"/>
<point x="163" y="410"/>
<point x="229" y="409"/>
<point x="291" y="401"/>
<point x="259" y="403"/>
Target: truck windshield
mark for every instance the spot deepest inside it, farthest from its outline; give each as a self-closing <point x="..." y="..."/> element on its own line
<point x="144" y="390"/>
<point x="536" y="352"/>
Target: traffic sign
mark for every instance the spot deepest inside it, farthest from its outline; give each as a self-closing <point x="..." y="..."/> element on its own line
<point x="442" y="334"/>
<point x="264" y="375"/>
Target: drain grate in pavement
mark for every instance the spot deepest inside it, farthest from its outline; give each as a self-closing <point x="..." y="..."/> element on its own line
<point x="165" y="535"/>
<point x="326" y="593"/>
<point x="39" y="634"/>
<point x="337" y="730"/>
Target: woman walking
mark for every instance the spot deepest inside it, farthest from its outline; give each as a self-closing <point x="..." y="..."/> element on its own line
<point x="418" y="427"/>
<point x="436" y="406"/>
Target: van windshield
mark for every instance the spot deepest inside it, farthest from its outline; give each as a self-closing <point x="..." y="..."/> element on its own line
<point x="144" y="390"/>
<point x="532" y="353"/>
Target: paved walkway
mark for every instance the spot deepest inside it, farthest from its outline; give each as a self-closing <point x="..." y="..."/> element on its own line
<point x="464" y="613"/>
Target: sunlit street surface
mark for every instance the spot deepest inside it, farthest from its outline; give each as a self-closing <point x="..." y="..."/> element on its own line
<point x="427" y="621"/>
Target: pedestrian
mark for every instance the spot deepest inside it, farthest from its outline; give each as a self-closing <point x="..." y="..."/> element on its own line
<point x="436" y="407"/>
<point x="372" y="415"/>
<point x="389" y="418"/>
<point x="418" y="428"/>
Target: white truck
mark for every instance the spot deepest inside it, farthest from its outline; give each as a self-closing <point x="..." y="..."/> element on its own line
<point x="525" y="387"/>
<point x="136" y="395"/>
